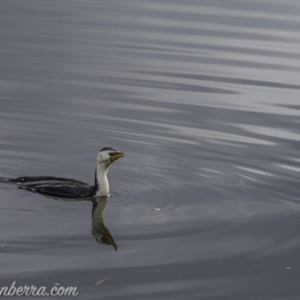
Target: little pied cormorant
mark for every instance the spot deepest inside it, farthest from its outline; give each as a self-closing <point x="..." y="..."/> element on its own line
<point x="71" y="188"/>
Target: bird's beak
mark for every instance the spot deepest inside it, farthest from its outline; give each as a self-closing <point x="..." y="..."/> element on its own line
<point x="116" y="156"/>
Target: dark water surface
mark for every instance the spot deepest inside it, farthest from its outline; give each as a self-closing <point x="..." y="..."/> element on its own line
<point x="203" y="96"/>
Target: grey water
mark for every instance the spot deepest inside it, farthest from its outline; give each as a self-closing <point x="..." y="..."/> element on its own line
<point x="204" y="99"/>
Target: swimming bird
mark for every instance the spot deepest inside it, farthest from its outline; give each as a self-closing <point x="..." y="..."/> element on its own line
<point x="71" y="188"/>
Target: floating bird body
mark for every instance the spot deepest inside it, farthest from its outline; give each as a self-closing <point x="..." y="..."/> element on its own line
<point x="71" y="188"/>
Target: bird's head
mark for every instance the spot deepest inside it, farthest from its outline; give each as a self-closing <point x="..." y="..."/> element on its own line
<point x="108" y="155"/>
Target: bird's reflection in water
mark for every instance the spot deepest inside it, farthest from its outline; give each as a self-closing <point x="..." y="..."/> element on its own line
<point x="99" y="231"/>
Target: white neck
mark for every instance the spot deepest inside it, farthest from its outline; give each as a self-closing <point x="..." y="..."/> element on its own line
<point x="103" y="186"/>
